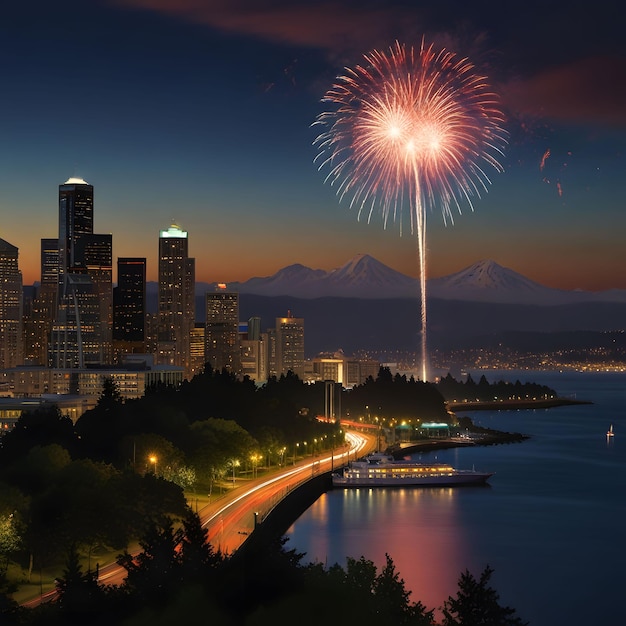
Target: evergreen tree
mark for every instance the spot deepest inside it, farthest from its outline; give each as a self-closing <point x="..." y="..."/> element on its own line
<point x="79" y="596"/>
<point x="476" y="604"/>
<point x="393" y="599"/>
<point x="152" y="574"/>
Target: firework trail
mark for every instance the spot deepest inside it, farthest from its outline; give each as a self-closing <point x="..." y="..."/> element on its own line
<point x="414" y="128"/>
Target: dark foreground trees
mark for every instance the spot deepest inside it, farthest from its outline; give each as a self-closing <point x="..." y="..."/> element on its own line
<point x="476" y="604"/>
<point x="177" y="577"/>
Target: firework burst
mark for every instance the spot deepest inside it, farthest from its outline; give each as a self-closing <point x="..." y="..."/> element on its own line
<point x="411" y="130"/>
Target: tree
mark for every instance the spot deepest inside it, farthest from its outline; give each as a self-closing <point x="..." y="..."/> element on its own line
<point x="42" y="427"/>
<point x="393" y="599"/>
<point x="79" y="594"/>
<point x="476" y="604"/>
<point x="197" y="557"/>
<point x="153" y="573"/>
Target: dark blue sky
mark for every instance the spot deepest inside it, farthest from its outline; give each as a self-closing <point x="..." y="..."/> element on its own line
<point x="200" y="112"/>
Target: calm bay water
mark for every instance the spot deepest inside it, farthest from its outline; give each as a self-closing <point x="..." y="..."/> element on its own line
<point x="551" y="522"/>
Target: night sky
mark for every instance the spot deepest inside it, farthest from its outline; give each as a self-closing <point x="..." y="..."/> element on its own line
<point x="199" y="112"/>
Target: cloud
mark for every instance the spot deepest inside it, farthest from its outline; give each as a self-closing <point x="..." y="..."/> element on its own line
<point x="587" y="90"/>
<point x="323" y="25"/>
<point x="590" y="90"/>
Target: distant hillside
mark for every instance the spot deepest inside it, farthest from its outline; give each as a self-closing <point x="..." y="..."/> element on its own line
<point x="352" y="324"/>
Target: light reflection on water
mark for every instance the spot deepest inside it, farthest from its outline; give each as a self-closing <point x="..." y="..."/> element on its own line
<point x="551" y="522"/>
<point x="418" y="528"/>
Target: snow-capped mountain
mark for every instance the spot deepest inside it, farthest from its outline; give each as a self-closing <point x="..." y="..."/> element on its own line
<point x="361" y="277"/>
<point x="486" y="281"/>
<point x="366" y="278"/>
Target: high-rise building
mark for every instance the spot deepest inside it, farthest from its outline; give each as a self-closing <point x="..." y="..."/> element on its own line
<point x="289" y="345"/>
<point x="11" y="294"/>
<point x="75" y="219"/>
<point x="129" y="307"/>
<point x="95" y="253"/>
<point x="84" y="295"/>
<point x="221" y="335"/>
<point x="76" y="338"/>
<point x="176" y="299"/>
<point x="38" y="324"/>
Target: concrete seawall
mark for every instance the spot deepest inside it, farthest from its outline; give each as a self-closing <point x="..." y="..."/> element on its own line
<point x="284" y="514"/>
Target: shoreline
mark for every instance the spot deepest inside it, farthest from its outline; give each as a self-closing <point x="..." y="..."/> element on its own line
<point x="512" y="405"/>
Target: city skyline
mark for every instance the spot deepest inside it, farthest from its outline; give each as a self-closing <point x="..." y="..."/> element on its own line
<point x="200" y="113"/>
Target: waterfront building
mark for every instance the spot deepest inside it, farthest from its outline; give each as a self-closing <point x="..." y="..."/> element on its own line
<point x="11" y="312"/>
<point x="176" y="299"/>
<point x="221" y="334"/>
<point x="349" y="371"/>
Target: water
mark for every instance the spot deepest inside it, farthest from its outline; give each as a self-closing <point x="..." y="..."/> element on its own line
<point x="551" y="523"/>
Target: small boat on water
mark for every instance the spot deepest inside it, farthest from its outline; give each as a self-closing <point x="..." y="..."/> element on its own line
<point x="609" y="432"/>
<point x="382" y="470"/>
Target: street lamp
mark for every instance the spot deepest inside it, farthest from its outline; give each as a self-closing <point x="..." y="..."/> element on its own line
<point x="254" y="458"/>
<point x="235" y="464"/>
<point x="295" y="449"/>
<point x="153" y="459"/>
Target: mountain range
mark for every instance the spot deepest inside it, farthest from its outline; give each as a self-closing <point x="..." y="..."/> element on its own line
<point x="366" y="278"/>
<point x="365" y="305"/>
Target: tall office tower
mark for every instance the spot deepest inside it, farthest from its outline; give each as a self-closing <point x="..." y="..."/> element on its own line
<point x="75" y="219"/>
<point x="85" y="289"/>
<point x="94" y="257"/>
<point x="176" y="306"/>
<point x="129" y="307"/>
<point x="38" y="324"/>
<point x="290" y="345"/>
<point x="221" y="335"/>
<point x="76" y="338"/>
<point x="11" y="294"/>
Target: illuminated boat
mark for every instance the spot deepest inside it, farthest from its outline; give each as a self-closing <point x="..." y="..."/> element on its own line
<point x="382" y="470"/>
<point x="610" y="433"/>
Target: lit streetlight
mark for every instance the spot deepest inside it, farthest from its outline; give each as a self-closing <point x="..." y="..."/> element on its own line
<point x="153" y="459"/>
<point x="235" y="464"/>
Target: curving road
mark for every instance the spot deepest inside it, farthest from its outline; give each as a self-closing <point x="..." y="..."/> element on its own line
<point x="232" y="517"/>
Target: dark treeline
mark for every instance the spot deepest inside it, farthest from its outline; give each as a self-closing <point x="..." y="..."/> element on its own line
<point x="483" y="391"/>
<point x="87" y="488"/>
<point x="178" y="577"/>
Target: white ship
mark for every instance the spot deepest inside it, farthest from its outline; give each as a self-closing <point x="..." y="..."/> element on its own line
<point x="382" y="470"/>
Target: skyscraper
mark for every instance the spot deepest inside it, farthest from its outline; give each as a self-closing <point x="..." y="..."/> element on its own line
<point x="129" y="307"/>
<point x="95" y="254"/>
<point x="176" y="299"/>
<point x="75" y="219"/>
<point x="84" y="296"/>
<point x="11" y="293"/>
<point x="221" y="335"/>
<point x="289" y="346"/>
<point x="38" y="325"/>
